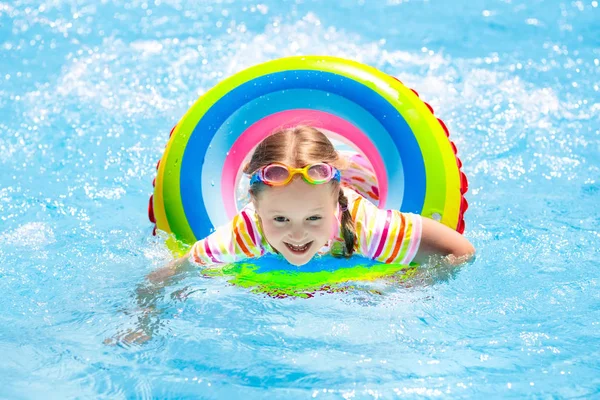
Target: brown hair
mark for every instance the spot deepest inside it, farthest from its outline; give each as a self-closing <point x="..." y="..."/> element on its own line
<point x="298" y="147"/>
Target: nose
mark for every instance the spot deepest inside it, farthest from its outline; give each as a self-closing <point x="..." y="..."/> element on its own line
<point x="297" y="233"/>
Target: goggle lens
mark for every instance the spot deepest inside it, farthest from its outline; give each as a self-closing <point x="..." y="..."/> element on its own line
<point x="319" y="172"/>
<point x="276" y="173"/>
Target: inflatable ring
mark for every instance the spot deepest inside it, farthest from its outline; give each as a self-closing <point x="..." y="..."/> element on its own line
<point x="409" y="148"/>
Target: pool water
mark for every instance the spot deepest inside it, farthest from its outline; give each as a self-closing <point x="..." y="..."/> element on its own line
<point x="88" y="94"/>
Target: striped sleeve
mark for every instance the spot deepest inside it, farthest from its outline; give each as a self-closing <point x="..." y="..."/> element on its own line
<point x="388" y="236"/>
<point x="236" y="241"/>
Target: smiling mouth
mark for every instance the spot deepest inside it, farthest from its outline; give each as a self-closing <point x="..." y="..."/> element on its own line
<point x="299" y="249"/>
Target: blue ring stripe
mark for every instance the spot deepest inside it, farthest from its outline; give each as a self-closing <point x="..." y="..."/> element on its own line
<point x="194" y="154"/>
<point x="276" y="262"/>
<point x="272" y="103"/>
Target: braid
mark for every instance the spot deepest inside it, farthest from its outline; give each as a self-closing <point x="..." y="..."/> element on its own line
<point x="348" y="230"/>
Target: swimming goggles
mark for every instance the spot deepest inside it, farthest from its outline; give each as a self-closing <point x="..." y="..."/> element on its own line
<point x="277" y="174"/>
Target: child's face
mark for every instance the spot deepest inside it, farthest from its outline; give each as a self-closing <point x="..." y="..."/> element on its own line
<point x="297" y="219"/>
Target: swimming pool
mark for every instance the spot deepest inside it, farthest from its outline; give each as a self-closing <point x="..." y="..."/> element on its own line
<point x="88" y="94"/>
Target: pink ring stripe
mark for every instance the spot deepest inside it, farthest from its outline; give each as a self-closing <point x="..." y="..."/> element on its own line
<point x="255" y="133"/>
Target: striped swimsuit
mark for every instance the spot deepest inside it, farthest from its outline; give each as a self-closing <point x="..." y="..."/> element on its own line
<point x="387" y="236"/>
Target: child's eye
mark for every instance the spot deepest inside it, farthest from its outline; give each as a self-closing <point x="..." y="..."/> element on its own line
<point x="280" y="219"/>
<point x="314" y="218"/>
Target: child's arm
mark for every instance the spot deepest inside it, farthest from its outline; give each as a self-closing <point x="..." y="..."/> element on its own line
<point x="237" y="240"/>
<point x="393" y="237"/>
<point x="175" y="267"/>
<point x="146" y="296"/>
<point x="438" y="239"/>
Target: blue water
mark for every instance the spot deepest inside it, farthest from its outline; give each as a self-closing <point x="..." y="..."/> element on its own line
<point x="88" y="93"/>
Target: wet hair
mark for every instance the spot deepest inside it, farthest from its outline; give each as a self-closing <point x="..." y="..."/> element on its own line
<point x="298" y="147"/>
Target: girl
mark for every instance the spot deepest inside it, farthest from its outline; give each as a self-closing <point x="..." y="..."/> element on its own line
<point x="300" y="206"/>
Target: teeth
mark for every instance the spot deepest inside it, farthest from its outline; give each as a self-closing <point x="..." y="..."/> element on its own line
<point x="298" y="248"/>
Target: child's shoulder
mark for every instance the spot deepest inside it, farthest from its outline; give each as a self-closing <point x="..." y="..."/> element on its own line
<point x="245" y="223"/>
<point x="353" y="197"/>
<point x="247" y="216"/>
<point x="351" y="194"/>
<point x="362" y="207"/>
<point x="248" y="208"/>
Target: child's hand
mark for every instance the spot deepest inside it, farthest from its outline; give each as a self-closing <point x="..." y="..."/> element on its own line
<point x="129" y="337"/>
<point x="138" y="335"/>
<point x="146" y="296"/>
<point x="439" y="240"/>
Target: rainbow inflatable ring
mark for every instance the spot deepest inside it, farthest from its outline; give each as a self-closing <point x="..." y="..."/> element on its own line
<point x="409" y="148"/>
